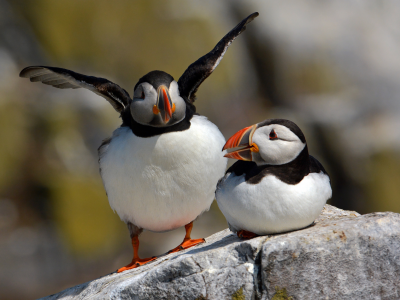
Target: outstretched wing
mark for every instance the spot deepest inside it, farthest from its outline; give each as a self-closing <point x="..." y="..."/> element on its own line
<point x="198" y="71"/>
<point x="65" y="79"/>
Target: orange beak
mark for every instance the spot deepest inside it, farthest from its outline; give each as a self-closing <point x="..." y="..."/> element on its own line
<point x="242" y="138"/>
<point x="164" y="104"/>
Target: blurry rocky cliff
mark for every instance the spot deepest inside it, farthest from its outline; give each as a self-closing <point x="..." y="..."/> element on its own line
<point x="331" y="67"/>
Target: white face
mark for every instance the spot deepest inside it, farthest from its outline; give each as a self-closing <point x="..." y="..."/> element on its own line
<point x="277" y="145"/>
<point x="145" y="98"/>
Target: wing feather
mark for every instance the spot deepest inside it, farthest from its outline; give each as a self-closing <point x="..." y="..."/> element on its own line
<point x="198" y="71"/>
<point x="65" y="79"/>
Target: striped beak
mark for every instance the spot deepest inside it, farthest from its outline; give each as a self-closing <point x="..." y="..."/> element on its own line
<point x="164" y="105"/>
<point x="243" y="140"/>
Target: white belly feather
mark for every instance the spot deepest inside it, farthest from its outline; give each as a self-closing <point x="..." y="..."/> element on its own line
<point x="272" y="206"/>
<point x="163" y="182"/>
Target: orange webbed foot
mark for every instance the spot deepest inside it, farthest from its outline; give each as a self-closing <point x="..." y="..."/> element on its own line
<point x="137" y="263"/>
<point x="243" y="234"/>
<point x="187" y="243"/>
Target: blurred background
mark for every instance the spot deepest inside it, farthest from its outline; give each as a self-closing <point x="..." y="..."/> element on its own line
<point x="331" y="67"/>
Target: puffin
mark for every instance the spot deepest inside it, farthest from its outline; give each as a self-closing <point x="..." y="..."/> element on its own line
<point x="275" y="186"/>
<point x="161" y="166"/>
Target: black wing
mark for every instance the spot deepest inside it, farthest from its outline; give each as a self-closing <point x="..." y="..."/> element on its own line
<point x="316" y="166"/>
<point x="198" y="71"/>
<point x="65" y="79"/>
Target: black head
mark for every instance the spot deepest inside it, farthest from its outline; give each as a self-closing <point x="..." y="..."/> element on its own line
<point x="157" y="101"/>
<point x="287" y="123"/>
<point x="156" y="78"/>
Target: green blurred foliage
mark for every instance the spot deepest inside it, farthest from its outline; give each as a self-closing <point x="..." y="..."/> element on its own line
<point x="383" y="188"/>
<point x="83" y="216"/>
<point x="312" y="78"/>
<point x="14" y="142"/>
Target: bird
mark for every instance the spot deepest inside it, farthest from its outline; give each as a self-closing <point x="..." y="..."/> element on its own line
<point x="161" y="166"/>
<point x="275" y="186"/>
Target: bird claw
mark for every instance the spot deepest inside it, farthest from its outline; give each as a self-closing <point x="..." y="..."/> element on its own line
<point x="136" y="263"/>
<point x="243" y="234"/>
<point x="187" y="244"/>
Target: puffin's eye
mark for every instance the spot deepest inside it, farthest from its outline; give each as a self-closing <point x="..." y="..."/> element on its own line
<point x="273" y="135"/>
<point x="139" y="93"/>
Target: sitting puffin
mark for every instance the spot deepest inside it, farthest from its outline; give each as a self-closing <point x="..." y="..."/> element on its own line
<point x="160" y="168"/>
<point x="276" y="186"/>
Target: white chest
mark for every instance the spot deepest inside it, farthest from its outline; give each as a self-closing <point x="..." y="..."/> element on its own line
<point x="163" y="182"/>
<point x="272" y="206"/>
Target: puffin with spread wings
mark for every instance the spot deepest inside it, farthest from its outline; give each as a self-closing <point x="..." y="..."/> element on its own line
<point x="160" y="168"/>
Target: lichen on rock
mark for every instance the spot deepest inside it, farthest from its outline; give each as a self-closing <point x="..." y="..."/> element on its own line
<point x="281" y="294"/>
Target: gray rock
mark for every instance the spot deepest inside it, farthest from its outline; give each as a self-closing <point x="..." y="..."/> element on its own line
<point x="342" y="256"/>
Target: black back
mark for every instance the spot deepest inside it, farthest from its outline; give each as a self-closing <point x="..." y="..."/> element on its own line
<point x="291" y="173"/>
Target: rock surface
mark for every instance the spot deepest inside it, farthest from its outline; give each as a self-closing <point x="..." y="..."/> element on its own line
<point x="342" y="256"/>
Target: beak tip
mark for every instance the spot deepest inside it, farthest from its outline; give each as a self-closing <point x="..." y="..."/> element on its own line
<point x="240" y="138"/>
